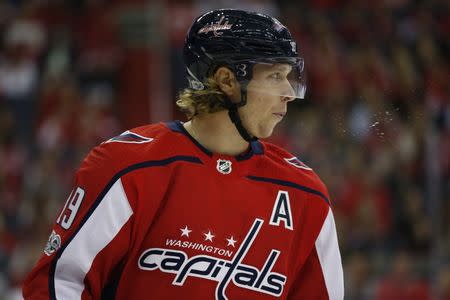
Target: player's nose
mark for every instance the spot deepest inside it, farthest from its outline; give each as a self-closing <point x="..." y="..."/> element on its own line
<point x="288" y="93"/>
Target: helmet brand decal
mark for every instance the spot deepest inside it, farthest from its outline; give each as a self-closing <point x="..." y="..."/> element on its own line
<point x="223" y="166"/>
<point x="194" y="83"/>
<point x="215" y="27"/>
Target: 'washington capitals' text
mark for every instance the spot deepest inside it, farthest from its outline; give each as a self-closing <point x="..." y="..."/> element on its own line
<point x="223" y="271"/>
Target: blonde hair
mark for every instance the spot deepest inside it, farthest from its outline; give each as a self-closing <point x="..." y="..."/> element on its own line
<point x="209" y="100"/>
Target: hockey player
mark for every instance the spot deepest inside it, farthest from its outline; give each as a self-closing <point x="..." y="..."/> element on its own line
<point x="202" y="209"/>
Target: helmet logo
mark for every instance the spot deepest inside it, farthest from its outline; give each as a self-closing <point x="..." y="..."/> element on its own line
<point x="215" y="27"/>
<point x="224" y="166"/>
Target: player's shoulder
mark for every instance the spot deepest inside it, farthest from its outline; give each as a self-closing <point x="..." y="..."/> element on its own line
<point x="150" y="142"/>
<point x="286" y="162"/>
<point x="291" y="168"/>
<point x="139" y="142"/>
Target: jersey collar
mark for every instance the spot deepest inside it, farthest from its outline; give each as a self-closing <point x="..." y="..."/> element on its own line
<point x="256" y="148"/>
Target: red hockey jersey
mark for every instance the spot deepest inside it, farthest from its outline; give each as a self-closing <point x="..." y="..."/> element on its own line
<point x="154" y="215"/>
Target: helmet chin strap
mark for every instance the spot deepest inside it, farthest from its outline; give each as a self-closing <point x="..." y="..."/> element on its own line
<point x="235" y="118"/>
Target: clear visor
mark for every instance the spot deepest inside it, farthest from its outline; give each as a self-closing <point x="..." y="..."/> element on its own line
<point x="282" y="77"/>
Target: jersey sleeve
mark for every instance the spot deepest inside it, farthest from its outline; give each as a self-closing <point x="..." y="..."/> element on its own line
<point x="90" y="236"/>
<point x="321" y="276"/>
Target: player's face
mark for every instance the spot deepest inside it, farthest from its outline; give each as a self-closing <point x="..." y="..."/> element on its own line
<point x="268" y="93"/>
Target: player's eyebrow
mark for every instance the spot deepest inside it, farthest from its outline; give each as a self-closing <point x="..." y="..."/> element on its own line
<point x="276" y="67"/>
<point x="282" y="67"/>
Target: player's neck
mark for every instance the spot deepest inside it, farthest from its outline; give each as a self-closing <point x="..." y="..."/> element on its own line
<point x="217" y="133"/>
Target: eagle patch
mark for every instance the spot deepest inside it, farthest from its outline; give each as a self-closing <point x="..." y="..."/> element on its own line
<point x="130" y="138"/>
<point x="297" y="163"/>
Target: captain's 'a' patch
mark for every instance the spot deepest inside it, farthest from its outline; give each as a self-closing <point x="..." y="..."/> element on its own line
<point x="130" y="138"/>
<point x="282" y="211"/>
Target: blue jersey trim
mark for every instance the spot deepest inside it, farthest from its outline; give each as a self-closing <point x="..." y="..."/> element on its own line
<point x="292" y="185"/>
<point x="178" y="127"/>
<point x="255" y="147"/>
<point x="145" y="164"/>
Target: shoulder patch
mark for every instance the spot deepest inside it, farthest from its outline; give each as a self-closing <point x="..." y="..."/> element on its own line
<point x="297" y="163"/>
<point x="130" y="138"/>
<point x="53" y="243"/>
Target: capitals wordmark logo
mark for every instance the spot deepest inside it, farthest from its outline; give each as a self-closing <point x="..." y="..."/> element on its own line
<point x="220" y="25"/>
<point x="221" y="270"/>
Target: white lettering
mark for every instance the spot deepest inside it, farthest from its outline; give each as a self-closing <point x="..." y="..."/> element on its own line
<point x="282" y="211"/>
<point x="198" y="246"/>
<point x="216" y="269"/>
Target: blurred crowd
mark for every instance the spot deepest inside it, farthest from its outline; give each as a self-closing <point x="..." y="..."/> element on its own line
<point x="375" y="124"/>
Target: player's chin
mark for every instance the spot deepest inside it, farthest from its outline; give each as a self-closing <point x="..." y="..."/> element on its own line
<point x="265" y="132"/>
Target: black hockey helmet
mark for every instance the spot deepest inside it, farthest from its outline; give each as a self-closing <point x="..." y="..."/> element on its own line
<point x="238" y="39"/>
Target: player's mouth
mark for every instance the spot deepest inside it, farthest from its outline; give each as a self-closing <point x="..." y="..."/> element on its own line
<point x="280" y="115"/>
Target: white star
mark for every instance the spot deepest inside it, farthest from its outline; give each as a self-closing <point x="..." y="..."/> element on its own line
<point x="185" y="231"/>
<point x="231" y="241"/>
<point x="209" y="236"/>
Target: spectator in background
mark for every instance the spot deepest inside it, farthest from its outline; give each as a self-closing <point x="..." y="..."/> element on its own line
<point x="23" y="41"/>
<point x="401" y="283"/>
<point x="358" y="277"/>
<point x="443" y="282"/>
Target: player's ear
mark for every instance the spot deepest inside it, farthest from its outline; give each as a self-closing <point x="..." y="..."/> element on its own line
<point x="227" y="82"/>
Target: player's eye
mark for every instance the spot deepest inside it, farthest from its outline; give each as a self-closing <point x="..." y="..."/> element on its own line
<point x="276" y="76"/>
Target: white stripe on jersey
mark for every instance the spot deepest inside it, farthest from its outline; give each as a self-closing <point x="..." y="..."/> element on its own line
<point x="101" y="227"/>
<point x="330" y="259"/>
